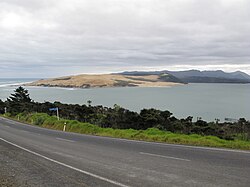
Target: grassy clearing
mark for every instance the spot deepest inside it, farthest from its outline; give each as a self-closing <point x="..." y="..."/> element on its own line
<point x="152" y="134"/>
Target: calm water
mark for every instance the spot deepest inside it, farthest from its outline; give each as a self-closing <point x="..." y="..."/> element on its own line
<point x="208" y="101"/>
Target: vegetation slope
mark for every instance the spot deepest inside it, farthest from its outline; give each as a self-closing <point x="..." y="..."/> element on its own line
<point x="149" y="124"/>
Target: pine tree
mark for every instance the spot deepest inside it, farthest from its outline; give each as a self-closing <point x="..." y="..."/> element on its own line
<point x="20" y="95"/>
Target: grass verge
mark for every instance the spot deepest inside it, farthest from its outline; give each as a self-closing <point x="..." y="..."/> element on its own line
<point x="151" y="134"/>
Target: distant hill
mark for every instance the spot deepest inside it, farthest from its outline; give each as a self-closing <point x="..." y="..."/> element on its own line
<point x="239" y="73"/>
<point x="144" y="79"/>
<point x="196" y="76"/>
<point x="110" y="80"/>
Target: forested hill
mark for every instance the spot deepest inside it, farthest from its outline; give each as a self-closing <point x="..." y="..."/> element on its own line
<point x="196" y="76"/>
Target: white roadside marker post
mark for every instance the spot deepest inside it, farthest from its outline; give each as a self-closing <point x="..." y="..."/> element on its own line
<point x="64" y="127"/>
<point x="57" y="113"/>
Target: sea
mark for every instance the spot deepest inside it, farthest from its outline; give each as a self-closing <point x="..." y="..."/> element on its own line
<point x="208" y="101"/>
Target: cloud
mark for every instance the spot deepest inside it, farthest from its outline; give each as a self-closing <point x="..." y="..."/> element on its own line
<point x="40" y="38"/>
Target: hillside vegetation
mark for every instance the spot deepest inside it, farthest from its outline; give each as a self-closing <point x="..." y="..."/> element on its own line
<point x="196" y="76"/>
<point x="150" y="134"/>
<point x="120" y="122"/>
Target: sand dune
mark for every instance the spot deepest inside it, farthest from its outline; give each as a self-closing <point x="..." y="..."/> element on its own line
<point x="104" y="80"/>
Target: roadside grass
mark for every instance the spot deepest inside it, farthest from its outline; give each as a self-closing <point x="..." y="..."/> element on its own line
<point x="151" y="134"/>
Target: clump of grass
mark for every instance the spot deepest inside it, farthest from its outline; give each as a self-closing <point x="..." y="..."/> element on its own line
<point x="151" y="134"/>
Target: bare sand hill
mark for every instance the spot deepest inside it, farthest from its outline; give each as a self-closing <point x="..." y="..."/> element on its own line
<point x="104" y="80"/>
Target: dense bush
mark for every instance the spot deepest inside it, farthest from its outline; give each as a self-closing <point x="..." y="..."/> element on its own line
<point x="120" y="118"/>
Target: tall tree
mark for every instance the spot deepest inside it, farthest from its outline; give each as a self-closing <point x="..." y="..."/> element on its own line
<point x="20" y="95"/>
<point x="2" y="106"/>
<point x="89" y="103"/>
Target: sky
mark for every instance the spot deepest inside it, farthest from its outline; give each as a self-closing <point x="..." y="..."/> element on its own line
<point x="50" y="38"/>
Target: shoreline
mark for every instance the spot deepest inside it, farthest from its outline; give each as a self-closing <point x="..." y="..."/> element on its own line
<point x="93" y="87"/>
<point x="107" y="80"/>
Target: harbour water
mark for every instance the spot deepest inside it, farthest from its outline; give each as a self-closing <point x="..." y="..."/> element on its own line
<point x="208" y="101"/>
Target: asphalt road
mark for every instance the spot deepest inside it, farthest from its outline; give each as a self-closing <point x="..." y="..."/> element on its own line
<point x="56" y="158"/>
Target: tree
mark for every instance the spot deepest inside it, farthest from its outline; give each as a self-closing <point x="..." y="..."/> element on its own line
<point x="20" y="95"/>
<point x="242" y="123"/>
<point x="19" y="101"/>
<point x="2" y="106"/>
<point x="187" y="125"/>
<point x="89" y="103"/>
<point x="150" y="118"/>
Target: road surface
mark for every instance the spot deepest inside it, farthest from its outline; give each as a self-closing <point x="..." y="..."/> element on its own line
<point x="45" y="157"/>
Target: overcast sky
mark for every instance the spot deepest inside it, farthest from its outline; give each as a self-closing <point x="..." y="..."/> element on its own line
<point x="49" y="38"/>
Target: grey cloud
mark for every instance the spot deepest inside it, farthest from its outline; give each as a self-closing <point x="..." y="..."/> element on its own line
<point x="82" y="36"/>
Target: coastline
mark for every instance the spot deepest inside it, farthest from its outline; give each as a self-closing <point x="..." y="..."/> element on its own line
<point x="105" y="81"/>
<point x="229" y="100"/>
<point x="94" y="87"/>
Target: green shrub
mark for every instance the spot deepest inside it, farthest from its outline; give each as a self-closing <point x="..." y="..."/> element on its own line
<point x="150" y="134"/>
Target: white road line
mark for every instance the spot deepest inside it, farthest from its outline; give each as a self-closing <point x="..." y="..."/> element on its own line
<point x="65" y="140"/>
<point x="24" y="131"/>
<point x="66" y="165"/>
<point x="184" y="146"/>
<point x="162" y="156"/>
<point x="63" y="154"/>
